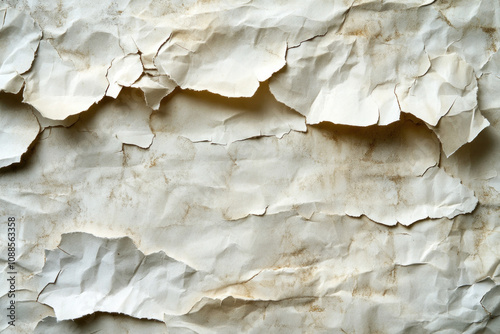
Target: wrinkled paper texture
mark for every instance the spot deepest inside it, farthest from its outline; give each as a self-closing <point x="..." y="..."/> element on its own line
<point x="251" y="166"/>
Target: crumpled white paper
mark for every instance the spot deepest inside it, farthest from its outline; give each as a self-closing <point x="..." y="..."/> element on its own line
<point x="251" y="166"/>
<point x="19" y="38"/>
<point x="18" y="129"/>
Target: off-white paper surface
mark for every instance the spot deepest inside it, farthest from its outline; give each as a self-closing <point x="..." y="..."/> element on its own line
<point x="250" y="166"/>
<point x="19" y="37"/>
<point x="19" y="128"/>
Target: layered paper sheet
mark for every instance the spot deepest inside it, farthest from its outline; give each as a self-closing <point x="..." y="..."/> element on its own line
<point x="250" y="166"/>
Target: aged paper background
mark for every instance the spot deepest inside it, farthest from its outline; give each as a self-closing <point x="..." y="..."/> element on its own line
<point x="255" y="166"/>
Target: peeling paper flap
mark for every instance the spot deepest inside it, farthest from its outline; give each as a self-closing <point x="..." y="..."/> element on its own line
<point x="118" y="277"/>
<point x="264" y="159"/>
<point x="182" y="53"/>
<point x="454" y="131"/>
<point x="126" y="118"/>
<point x="107" y="323"/>
<point x="19" y="38"/>
<point x="219" y="120"/>
<point x="155" y="88"/>
<point x="53" y="83"/>
<point x="89" y="274"/>
<point x="173" y="40"/>
<point x="124" y="71"/>
<point x="18" y="129"/>
<point x="448" y="88"/>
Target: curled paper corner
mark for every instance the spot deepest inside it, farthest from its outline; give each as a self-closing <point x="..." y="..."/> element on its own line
<point x="155" y="87"/>
<point x="19" y="129"/>
<point x="123" y="72"/>
<point x="457" y="130"/>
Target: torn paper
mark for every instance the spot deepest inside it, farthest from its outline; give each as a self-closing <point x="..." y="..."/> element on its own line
<point x="89" y="257"/>
<point x="233" y="64"/>
<point x="381" y="173"/>
<point x="103" y="260"/>
<point x="447" y="88"/>
<point x="219" y="120"/>
<point x="171" y="38"/>
<point x="18" y="129"/>
<point x="123" y="72"/>
<point x="100" y="322"/>
<point x="454" y="131"/>
<point x="66" y="91"/>
<point x="155" y="87"/>
<point x="382" y="62"/>
<point x="19" y="38"/>
<point x="283" y="166"/>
